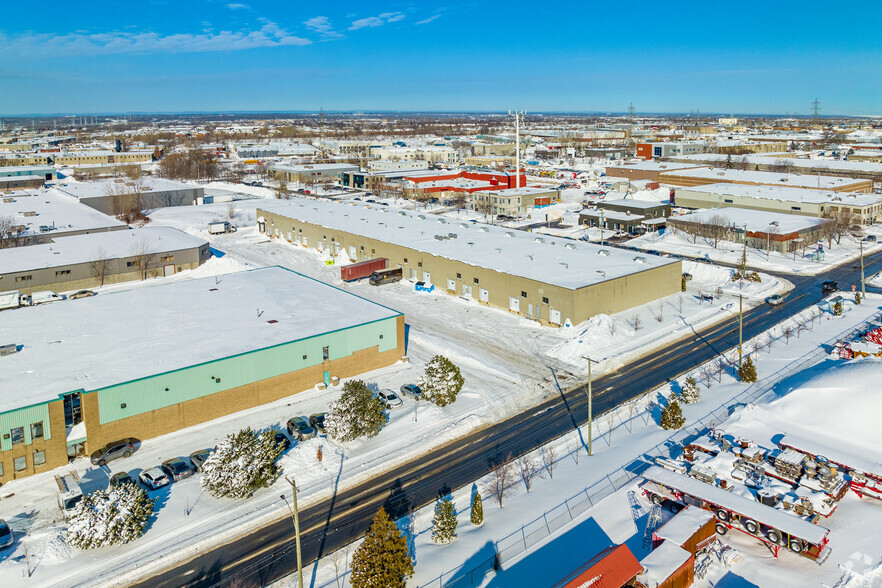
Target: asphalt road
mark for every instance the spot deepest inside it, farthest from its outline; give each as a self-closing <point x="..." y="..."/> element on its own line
<point x="261" y="556"/>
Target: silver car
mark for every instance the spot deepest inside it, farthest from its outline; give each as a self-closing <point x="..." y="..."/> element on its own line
<point x="390" y="399"/>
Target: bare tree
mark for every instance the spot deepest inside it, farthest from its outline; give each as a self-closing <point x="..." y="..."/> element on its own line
<point x="632" y="410"/>
<point x="801" y="328"/>
<point x="340" y="561"/>
<point x="720" y="366"/>
<point x="231" y="211"/>
<point x="574" y="447"/>
<point x="141" y="255"/>
<point x="100" y="265"/>
<point x="528" y="469"/>
<point x="549" y="458"/>
<point x="660" y="313"/>
<point x="610" y="420"/>
<point x="636" y="323"/>
<point x="502" y="474"/>
<point x="10" y="233"/>
<point x="707" y="374"/>
<point x="282" y="192"/>
<point x="787" y="332"/>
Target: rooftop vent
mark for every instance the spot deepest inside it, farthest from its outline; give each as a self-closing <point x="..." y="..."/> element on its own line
<point x="442" y="221"/>
<point x="422" y="216"/>
<point x="439" y="237"/>
<point x="602" y="273"/>
<point x="451" y="235"/>
<point x="402" y="213"/>
<point x="484" y="229"/>
<point x="603" y="252"/>
<point x="570" y="245"/>
<point x="509" y="234"/>
<point x="640" y="259"/>
<point x="539" y="240"/>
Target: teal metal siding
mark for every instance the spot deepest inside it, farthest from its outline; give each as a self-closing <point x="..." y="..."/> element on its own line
<point x="168" y="389"/>
<point x="24" y="417"/>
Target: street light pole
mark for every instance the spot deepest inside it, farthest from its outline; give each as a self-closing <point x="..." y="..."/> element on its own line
<point x="590" y="398"/>
<point x="740" y="327"/>
<point x="297" y="533"/>
<point x="863" y="286"/>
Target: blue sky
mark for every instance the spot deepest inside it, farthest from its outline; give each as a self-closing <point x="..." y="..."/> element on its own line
<point x="210" y="55"/>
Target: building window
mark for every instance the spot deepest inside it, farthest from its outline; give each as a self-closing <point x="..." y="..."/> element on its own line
<point x="17" y="435"/>
<point x="1" y="469"/>
<point x="62" y="272"/>
<point x="24" y="278"/>
<point x="476" y="280"/>
<point x="545" y="300"/>
<point x="167" y="258"/>
<point x="728" y="200"/>
<point x="795" y="208"/>
<point x="458" y="276"/>
<point x="37" y="430"/>
<point x="326" y="353"/>
<point x="39" y="457"/>
<point x="523" y="294"/>
<point x="131" y="263"/>
<point x="20" y="463"/>
<point x="405" y="260"/>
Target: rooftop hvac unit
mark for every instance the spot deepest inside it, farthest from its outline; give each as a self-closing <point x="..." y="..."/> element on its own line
<point x="451" y="235"/>
<point x="570" y="246"/>
<point x="539" y="240"/>
<point x="509" y="234"/>
<point x="603" y="252"/>
<point x="439" y="237"/>
<point x="402" y="213"/>
<point x="484" y="229"/>
<point x="442" y="221"/>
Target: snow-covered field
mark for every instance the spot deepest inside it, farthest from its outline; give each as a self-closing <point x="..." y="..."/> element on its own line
<point x="673" y="241"/>
<point x="585" y="507"/>
<point x="506" y="360"/>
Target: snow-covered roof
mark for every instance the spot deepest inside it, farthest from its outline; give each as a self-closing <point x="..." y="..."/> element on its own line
<point x="768" y="178"/>
<point x="102" y="188"/>
<point x="684" y="524"/>
<point x="665" y="166"/>
<point x="561" y="262"/>
<point x="53" y="209"/>
<point x="661" y="563"/>
<point x="67" y="251"/>
<point x="756" y="220"/>
<point x="632" y="203"/>
<point x="121" y="336"/>
<point x="326" y="167"/>
<point x="787" y="194"/>
<point x="834" y="165"/>
<point x="526" y="191"/>
<point x="610" y="214"/>
<point x="13" y="170"/>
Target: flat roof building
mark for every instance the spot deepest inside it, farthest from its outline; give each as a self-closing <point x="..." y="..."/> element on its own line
<point x="514" y="201"/>
<point x="41" y="215"/>
<point x="548" y="279"/>
<point x="704" y="175"/>
<point x="645" y="170"/>
<point x="116" y="196"/>
<point x="148" y="361"/>
<point x="313" y="172"/>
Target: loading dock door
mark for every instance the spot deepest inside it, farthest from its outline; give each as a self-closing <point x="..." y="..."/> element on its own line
<point x="467" y="291"/>
<point x="555" y="316"/>
<point x="352" y="254"/>
<point x="427" y="277"/>
<point x="484" y="295"/>
<point x="514" y="304"/>
<point x="168" y="270"/>
<point x="451" y="285"/>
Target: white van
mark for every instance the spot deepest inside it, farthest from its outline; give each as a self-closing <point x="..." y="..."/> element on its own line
<point x="45" y="297"/>
<point x="69" y="492"/>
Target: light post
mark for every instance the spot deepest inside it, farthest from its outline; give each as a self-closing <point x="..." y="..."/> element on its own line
<point x="590" y="398"/>
<point x="296" y="516"/>
<point x="863" y="286"/>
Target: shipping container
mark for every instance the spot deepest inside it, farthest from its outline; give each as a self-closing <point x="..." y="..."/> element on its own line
<point x="362" y="269"/>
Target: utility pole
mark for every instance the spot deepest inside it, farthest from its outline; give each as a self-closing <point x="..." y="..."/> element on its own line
<point x="863" y="286"/>
<point x="816" y="109"/>
<point x="517" y="149"/>
<point x="296" y="516"/>
<point x="740" y="327"/>
<point x="631" y="110"/>
<point x="590" y="398"/>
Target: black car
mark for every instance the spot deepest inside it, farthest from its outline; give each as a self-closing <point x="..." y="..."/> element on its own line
<point x="117" y="480"/>
<point x="282" y="439"/>
<point x="112" y="451"/>
<point x="829" y="286"/>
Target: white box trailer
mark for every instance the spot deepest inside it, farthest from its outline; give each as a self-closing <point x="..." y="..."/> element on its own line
<point x="219" y="227"/>
<point x="10" y="299"/>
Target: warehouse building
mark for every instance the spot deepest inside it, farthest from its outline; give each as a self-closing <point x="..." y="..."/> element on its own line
<point x="92" y="371"/>
<point x="17" y="171"/>
<point x="311" y="173"/>
<point x="704" y="175"/>
<point x="69" y="158"/>
<point x="663" y="149"/>
<point x="553" y="281"/>
<point x="38" y="216"/>
<point x="865" y="208"/>
<point x="860" y="170"/>
<point x="769" y="231"/>
<point x="85" y="261"/>
<point x="635" y="217"/>
<point x="118" y="195"/>
<point x="645" y="170"/>
<point x="514" y="201"/>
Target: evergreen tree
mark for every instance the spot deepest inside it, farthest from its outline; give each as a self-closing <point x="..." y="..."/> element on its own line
<point x="477" y="510"/>
<point x="857" y="297"/>
<point x="672" y="416"/>
<point x="382" y="560"/>
<point x="110" y="517"/>
<point x="358" y="413"/>
<point x="837" y="308"/>
<point x="242" y="463"/>
<point x="442" y="381"/>
<point x="747" y="371"/>
<point x="690" y="393"/>
<point x="444" y="523"/>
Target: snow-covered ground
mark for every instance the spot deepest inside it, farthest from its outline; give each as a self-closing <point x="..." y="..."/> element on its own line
<point x="586" y="506"/>
<point x="673" y="241"/>
<point x="506" y="360"/>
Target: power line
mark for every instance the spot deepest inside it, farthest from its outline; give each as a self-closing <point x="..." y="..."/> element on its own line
<point x="816" y="108"/>
<point x="631" y="110"/>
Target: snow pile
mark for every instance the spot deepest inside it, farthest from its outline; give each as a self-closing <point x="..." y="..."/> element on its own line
<point x="658" y="195"/>
<point x="844" y="399"/>
<point x="596" y="333"/>
<point x="48" y="547"/>
<point x="875" y="280"/>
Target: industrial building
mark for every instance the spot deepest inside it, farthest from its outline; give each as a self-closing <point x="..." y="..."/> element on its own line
<point x="149" y="361"/>
<point x="700" y="176"/>
<point x="69" y="158"/>
<point x="865" y="208"/>
<point x="626" y="214"/>
<point x="860" y="170"/>
<point x="17" y="171"/>
<point x="663" y="149"/>
<point x="551" y="280"/>
<point x="118" y="195"/>
<point x="39" y="216"/>
<point x="430" y="153"/>
<point x="85" y="261"/>
<point x="311" y="173"/>
<point x="514" y="201"/>
<point x="645" y="170"/>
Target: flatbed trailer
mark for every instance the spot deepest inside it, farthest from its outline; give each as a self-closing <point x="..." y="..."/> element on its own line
<point x="866" y="475"/>
<point x="771" y="526"/>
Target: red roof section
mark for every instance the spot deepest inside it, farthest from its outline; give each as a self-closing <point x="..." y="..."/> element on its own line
<point x="611" y="568"/>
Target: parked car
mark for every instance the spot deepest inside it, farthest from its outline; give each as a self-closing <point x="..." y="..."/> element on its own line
<point x="317" y="421"/>
<point x="829" y="286"/>
<point x="299" y="428"/>
<point x="6" y="538"/>
<point x="391" y="399"/>
<point x="775" y="299"/>
<point x="870" y="238"/>
<point x="282" y="439"/>
<point x="112" y="451"/>
<point x="177" y="469"/>
<point x="153" y="478"/>
<point x="197" y="458"/>
<point x="81" y="294"/>
<point x="411" y="390"/>
<point x="117" y="480"/>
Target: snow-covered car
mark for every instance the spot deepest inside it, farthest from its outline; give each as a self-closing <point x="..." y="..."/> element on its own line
<point x="299" y="428"/>
<point x="775" y="299"/>
<point x="317" y="421"/>
<point x="197" y="458"/>
<point x="81" y="294"/>
<point x="153" y="478"/>
<point x="390" y="399"/>
<point x="177" y="469"/>
<point x="411" y="390"/>
<point x="6" y="538"/>
<point x="117" y="480"/>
